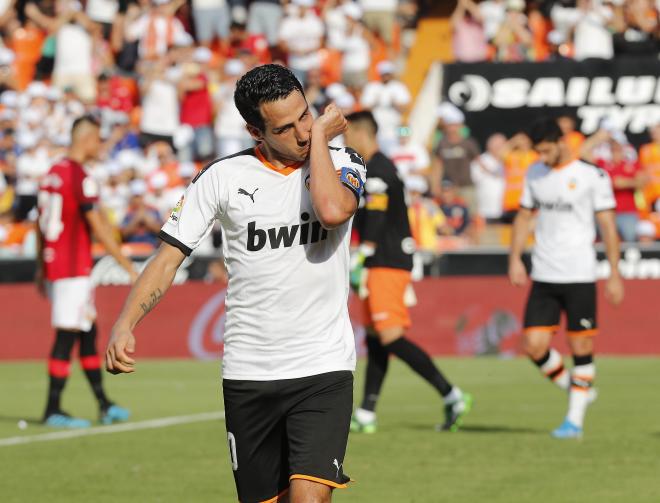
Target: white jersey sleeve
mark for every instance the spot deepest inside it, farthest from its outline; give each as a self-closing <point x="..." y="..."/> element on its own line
<point x="603" y="194"/>
<point x="192" y="218"/>
<point x="350" y="167"/>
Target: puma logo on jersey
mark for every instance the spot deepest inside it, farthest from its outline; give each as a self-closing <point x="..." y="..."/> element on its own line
<point x="286" y="236"/>
<point x="586" y="323"/>
<point x="246" y="193"/>
<point x="338" y="466"/>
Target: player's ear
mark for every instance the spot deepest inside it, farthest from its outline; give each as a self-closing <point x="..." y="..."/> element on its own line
<point x="255" y="132"/>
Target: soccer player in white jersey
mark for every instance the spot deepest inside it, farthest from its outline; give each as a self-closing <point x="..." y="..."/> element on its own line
<point x="568" y="197"/>
<point x="285" y="208"/>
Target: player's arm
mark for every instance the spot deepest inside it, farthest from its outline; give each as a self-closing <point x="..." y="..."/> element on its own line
<point x="614" y="286"/>
<point x="39" y="272"/>
<point x="103" y="233"/>
<point x="521" y="227"/>
<point x="333" y="202"/>
<point x="150" y="287"/>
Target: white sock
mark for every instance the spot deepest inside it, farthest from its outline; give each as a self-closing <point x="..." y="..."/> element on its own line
<point x="454" y="395"/>
<point x="555" y="371"/>
<point x="582" y="378"/>
<point x="365" y="416"/>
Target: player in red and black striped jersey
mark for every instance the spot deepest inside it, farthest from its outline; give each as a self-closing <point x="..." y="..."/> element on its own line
<point x="381" y="275"/>
<point x="67" y="218"/>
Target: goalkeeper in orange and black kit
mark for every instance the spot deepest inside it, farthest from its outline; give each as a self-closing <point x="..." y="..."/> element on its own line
<point x="380" y="274"/>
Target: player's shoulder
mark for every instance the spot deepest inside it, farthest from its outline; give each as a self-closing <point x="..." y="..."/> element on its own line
<point x="589" y="169"/>
<point x="225" y="164"/>
<point x="537" y="170"/>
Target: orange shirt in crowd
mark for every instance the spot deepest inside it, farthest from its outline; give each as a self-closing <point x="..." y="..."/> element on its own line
<point x="26" y="44"/>
<point x="516" y="163"/>
<point x="649" y="159"/>
<point x="574" y="140"/>
<point x="539" y="27"/>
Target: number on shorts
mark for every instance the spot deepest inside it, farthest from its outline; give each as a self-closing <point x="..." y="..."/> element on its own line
<point x="50" y="219"/>
<point x="231" y="440"/>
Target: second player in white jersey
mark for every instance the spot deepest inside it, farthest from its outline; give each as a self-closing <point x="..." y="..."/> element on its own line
<point x="268" y="220"/>
<point x="568" y="198"/>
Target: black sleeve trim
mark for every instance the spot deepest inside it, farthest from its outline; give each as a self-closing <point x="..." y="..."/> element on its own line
<point x="85" y="207"/>
<point x="175" y="242"/>
<point x="527" y="207"/>
<point x="612" y="208"/>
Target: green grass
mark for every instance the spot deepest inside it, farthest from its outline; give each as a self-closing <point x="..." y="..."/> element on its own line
<point x="504" y="453"/>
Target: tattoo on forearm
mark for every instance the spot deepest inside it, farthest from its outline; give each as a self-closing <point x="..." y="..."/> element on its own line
<point x="154" y="298"/>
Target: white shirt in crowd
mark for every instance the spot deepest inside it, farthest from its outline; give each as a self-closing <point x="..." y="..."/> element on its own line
<point x="208" y="4"/>
<point x="160" y="108"/>
<point x="408" y="158"/>
<point x="378" y="5"/>
<point x="229" y="123"/>
<point x="381" y="99"/>
<point x="303" y="34"/>
<point x="356" y="52"/>
<point x="493" y="13"/>
<point x="102" y="11"/>
<point x="567" y="199"/>
<point x="336" y="25"/>
<point x="591" y="38"/>
<point x="140" y="28"/>
<point x="488" y="176"/>
<point x="73" y="51"/>
<point x="31" y="166"/>
<point x="286" y="305"/>
<point x="115" y="200"/>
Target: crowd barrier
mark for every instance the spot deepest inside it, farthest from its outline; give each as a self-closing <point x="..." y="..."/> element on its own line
<point x="475" y="315"/>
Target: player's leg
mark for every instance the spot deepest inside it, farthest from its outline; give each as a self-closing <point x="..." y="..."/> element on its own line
<point x="364" y="419"/>
<point x="91" y="365"/>
<point x="66" y="304"/>
<point x="542" y="315"/>
<point x="582" y="327"/>
<point x="257" y="440"/>
<point x="317" y="425"/>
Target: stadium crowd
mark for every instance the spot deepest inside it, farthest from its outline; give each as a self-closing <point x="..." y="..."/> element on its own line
<point x="160" y="75"/>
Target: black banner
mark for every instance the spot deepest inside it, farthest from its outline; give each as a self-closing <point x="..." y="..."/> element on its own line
<point x="508" y="97"/>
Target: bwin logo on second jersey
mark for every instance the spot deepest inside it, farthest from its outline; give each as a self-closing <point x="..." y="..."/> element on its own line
<point x="286" y="236"/>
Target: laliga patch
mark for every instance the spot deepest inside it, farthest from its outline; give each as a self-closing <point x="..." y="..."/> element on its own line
<point x="351" y="178"/>
<point x="176" y="211"/>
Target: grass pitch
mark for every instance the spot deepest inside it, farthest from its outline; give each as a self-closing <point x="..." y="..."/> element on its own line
<point x="503" y="454"/>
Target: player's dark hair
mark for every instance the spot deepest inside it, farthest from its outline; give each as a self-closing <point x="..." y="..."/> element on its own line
<point x="545" y="130"/>
<point x="364" y="118"/>
<point x="263" y="84"/>
<point x="82" y="120"/>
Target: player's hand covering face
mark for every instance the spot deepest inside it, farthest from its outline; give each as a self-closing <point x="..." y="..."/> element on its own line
<point x="332" y="123"/>
<point x="288" y="123"/>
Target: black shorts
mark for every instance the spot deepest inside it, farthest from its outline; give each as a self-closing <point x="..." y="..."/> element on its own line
<point x="287" y="429"/>
<point x="547" y="300"/>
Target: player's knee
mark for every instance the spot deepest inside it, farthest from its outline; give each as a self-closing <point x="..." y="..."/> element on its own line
<point x="581" y="346"/>
<point x="390" y="334"/>
<point x="304" y="491"/>
<point x="533" y="347"/>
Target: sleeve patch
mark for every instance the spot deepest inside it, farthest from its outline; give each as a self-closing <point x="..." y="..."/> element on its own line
<point x="351" y="179"/>
<point x="176" y="211"/>
<point x="377" y="202"/>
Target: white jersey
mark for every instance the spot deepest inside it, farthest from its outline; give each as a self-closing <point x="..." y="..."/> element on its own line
<point x="567" y="198"/>
<point x="287" y="312"/>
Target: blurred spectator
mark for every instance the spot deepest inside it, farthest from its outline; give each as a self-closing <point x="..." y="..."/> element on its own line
<point x="251" y="46"/>
<point x="646" y="232"/>
<point x="492" y="13"/>
<point x="591" y="24"/>
<point x="572" y="136"/>
<point x="412" y="161"/>
<point x="212" y="19"/>
<point x="488" y="176"/>
<point x="355" y="46"/>
<point x="626" y="175"/>
<point x="231" y="133"/>
<point x="31" y="166"/>
<point x="157" y="30"/>
<point x="638" y="28"/>
<point x="379" y="17"/>
<point x="161" y="198"/>
<point x="103" y="13"/>
<point x="336" y="24"/>
<point x="121" y="135"/>
<point x="513" y="42"/>
<point x="197" y="107"/>
<point x="142" y="223"/>
<point x="649" y="158"/>
<point x="300" y="36"/>
<point x="426" y="218"/>
<point x="114" y="193"/>
<point x="160" y="103"/>
<point x="558" y="49"/>
<point x="388" y="99"/>
<point x="455" y="211"/>
<point x="517" y="156"/>
<point x="8" y="78"/>
<point x="264" y="18"/>
<point x="469" y="37"/>
<point x="453" y="155"/>
<point x="539" y="27"/>
<point x="73" y="34"/>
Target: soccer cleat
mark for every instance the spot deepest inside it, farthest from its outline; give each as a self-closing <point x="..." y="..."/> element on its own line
<point x="64" y="420"/>
<point x="455" y="412"/>
<point x="567" y="430"/>
<point x="114" y="414"/>
<point x="363" y="427"/>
